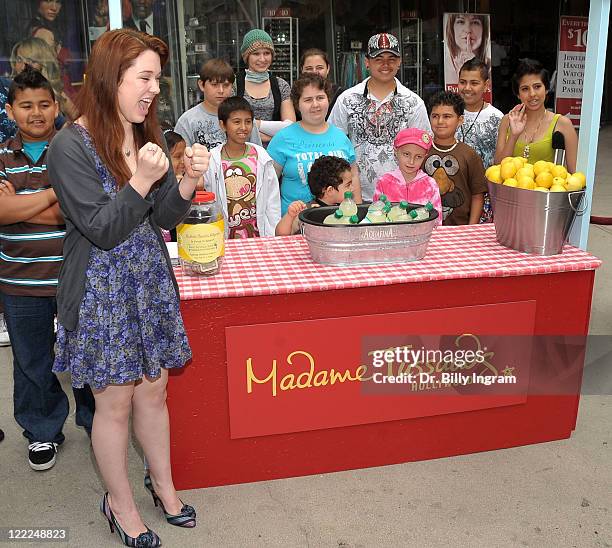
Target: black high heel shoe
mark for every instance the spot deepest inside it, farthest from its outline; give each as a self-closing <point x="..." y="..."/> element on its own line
<point x="145" y="540"/>
<point x="187" y="516"/>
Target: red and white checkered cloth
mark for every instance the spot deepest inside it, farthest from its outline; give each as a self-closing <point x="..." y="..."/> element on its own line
<point x="272" y="266"/>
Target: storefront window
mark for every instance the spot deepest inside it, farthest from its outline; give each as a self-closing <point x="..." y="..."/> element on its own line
<point x="353" y="27"/>
<point x="50" y="36"/>
<point x="212" y="29"/>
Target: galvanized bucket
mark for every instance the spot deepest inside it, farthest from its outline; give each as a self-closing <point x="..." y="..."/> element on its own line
<point x="348" y="245"/>
<point x="531" y="221"/>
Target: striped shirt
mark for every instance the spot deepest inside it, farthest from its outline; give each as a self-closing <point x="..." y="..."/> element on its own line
<point x="30" y="254"/>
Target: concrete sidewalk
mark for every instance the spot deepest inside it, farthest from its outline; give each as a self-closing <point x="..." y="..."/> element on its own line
<point x="554" y="494"/>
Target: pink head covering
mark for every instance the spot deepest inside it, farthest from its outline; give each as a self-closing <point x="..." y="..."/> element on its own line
<point x="413" y="136"/>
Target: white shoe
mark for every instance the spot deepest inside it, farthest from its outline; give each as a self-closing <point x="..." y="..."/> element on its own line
<point x="4" y="336"/>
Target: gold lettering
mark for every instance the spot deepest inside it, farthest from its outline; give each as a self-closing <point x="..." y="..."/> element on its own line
<point x="360" y="372"/>
<point x="306" y="374"/>
<point x="288" y="382"/>
<point x="323" y="375"/>
<point x="251" y="377"/>
<point x="336" y="376"/>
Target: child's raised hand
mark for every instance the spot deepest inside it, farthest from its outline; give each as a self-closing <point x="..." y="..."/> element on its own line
<point x="517" y="119"/>
<point x="295" y="208"/>
<point x="196" y="160"/>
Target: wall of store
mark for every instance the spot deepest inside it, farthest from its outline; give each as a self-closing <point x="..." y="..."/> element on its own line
<point x="197" y="30"/>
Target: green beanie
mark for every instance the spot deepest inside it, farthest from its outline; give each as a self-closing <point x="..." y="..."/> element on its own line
<point x="254" y="40"/>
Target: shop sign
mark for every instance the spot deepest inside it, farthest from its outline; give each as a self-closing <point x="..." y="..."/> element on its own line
<point x="278" y="12"/>
<point x="333" y="372"/>
<point x="466" y="35"/>
<point x="570" y="66"/>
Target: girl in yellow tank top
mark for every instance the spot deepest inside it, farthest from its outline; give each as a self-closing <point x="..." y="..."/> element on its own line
<point x="538" y="150"/>
<point x="527" y="129"/>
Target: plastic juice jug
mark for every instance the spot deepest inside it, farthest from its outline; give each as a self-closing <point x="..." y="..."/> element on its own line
<point x="387" y="210"/>
<point x="201" y="237"/>
<point x="348" y="205"/>
<point x="375" y="213"/>
<point x="422" y="213"/>
<point x="337" y="218"/>
<point x="399" y="212"/>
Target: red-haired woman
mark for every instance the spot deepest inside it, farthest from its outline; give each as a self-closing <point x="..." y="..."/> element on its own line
<point x="120" y="327"/>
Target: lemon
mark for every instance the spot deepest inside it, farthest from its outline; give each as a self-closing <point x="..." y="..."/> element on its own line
<point x="507" y="170"/>
<point x="512" y="182"/>
<point x="518" y="162"/>
<point x="507" y="159"/>
<point x="550" y="166"/>
<point x="558" y="188"/>
<point x="560" y="181"/>
<point x="573" y="183"/>
<point x="525" y="172"/>
<point x="526" y="182"/>
<point x="544" y="179"/>
<point x="494" y="174"/>
<point x="559" y="171"/>
<point x="541" y="189"/>
<point x="582" y="178"/>
<point x="540" y="166"/>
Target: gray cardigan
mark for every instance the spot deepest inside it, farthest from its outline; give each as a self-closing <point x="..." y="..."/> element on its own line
<point x="93" y="218"/>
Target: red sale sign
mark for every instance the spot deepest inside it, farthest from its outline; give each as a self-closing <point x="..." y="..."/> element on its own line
<point x="570" y="66"/>
<point x="331" y="372"/>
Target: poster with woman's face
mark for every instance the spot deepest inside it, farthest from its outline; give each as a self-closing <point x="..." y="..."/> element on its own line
<point x="466" y="35"/>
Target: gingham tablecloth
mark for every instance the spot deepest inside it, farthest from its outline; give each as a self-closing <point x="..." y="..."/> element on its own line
<point x="272" y="266"/>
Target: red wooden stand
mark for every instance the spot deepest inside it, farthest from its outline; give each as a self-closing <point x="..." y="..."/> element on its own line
<point x="203" y="454"/>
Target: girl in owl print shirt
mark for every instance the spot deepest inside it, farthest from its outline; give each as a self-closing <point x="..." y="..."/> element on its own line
<point x="409" y="182"/>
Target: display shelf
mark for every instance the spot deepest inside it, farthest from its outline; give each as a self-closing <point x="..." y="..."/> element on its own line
<point x="284" y="32"/>
<point x="412" y="53"/>
<point x="229" y="39"/>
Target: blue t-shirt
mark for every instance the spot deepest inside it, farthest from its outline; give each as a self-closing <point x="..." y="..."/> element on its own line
<point x="296" y="149"/>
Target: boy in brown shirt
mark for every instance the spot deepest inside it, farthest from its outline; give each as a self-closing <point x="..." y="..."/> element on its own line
<point x="31" y="239"/>
<point x="455" y="166"/>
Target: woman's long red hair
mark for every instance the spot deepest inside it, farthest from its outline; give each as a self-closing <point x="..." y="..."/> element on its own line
<point x="113" y="53"/>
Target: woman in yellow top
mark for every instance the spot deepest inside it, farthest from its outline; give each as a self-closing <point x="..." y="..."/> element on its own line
<point x="527" y="129"/>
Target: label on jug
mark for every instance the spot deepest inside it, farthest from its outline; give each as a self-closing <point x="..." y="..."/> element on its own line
<point x="201" y="243"/>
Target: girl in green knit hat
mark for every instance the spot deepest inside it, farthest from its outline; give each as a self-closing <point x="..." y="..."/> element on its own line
<point x="269" y="95"/>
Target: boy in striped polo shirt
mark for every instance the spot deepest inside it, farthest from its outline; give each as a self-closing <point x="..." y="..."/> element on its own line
<point x="31" y="238"/>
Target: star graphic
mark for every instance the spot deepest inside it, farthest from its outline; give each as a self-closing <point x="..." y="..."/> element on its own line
<point x="508" y="371"/>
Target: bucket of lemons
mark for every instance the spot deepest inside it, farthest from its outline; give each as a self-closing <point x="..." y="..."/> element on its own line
<point x="534" y="206"/>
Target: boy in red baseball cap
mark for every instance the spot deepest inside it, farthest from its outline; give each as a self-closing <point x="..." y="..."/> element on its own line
<point x="409" y="182"/>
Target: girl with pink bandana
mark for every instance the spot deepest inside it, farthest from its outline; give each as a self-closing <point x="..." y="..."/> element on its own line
<point x="410" y="182"/>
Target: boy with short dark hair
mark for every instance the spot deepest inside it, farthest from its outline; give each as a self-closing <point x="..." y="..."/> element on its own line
<point x="200" y="124"/>
<point x="455" y="166"/>
<point x="481" y="119"/>
<point x="31" y="235"/>
<point x="329" y="178"/>
<point x="242" y="175"/>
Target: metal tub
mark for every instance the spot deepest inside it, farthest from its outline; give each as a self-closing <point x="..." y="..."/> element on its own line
<point x="531" y="221"/>
<point x="347" y="245"/>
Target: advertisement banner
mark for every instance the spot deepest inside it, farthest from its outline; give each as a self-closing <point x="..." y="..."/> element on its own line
<point x="466" y="35"/>
<point x="570" y="66"/>
<point x="307" y="375"/>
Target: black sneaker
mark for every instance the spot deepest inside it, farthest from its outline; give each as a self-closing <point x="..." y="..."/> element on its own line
<point x="41" y="455"/>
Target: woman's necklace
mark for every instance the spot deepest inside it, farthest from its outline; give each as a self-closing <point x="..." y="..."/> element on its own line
<point x="464" y="135"/>
<point x="526" y="149"/>
<point x="445" y="149"/>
